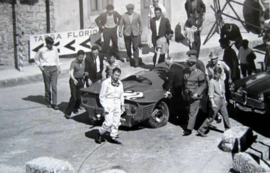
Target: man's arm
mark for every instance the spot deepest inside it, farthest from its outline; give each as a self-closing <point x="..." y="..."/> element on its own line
<point x="118" y="16"/>
<point x="202" y="84"/>
<point x="98" y="22"/>
<point x="120" y="29"/>
<point x="211" y="93"/>
<point x="140" y="23"/>
<point x="58" y="61"/>
<point x="37" y="60"/>
<point x="102" y="94"/>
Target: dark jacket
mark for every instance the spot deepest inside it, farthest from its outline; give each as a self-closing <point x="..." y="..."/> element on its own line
<point x="102" y="19"/>
<point x="163" y="28"/>
<point x="90" y="67"/>
<point x="200" y="8"/>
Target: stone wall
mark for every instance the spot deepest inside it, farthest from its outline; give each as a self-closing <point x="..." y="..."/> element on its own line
<point x="33" y="21"/>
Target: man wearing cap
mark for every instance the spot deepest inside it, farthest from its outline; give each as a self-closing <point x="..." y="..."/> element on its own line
<point x="194" y="85"/>
<point x="131" y="21"/>
<point x="47" y="60"/>
<point x="107" y="23"/>
<point x="199" y="64"/>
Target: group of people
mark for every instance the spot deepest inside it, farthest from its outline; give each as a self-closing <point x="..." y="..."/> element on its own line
<point x="195" y="81"/>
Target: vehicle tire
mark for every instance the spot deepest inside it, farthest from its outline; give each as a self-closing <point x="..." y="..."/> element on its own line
<point x="159" y="116"/>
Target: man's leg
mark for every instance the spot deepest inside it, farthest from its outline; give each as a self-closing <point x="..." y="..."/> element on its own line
<point x="78" y="95"/>
<point x="72" y="99"/>
<point x="224" y="113"/>
<point x="54" y="78"/>
<point x="193" y="111"/>
<point x="243" y="70"/>
<point x="135" y="43"/>
<point x="115" y="43"/>
<point x="116" y="122"/>
<point x="127" y="40"/>
<point x="208" y="121"/>
<point x="46" y="80"/>
<point x="106" y="38"/>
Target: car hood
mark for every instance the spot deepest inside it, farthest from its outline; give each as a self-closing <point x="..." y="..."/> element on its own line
<point x="259" y="82"/>
<point x="148" y="83"/>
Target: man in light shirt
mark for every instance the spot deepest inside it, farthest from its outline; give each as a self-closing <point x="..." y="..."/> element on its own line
<point x="216" y="92"/>
<point x="112" y="100"/>
<point x="47" y="60"/>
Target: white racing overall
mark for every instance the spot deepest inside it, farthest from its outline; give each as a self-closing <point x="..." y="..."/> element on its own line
<point x="111" y="98"/>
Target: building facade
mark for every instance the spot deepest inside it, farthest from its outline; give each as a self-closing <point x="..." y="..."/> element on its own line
<point x="68" y="15"/>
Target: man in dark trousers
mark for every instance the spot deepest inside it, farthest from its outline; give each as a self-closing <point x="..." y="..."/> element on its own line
<point x="159" y="25"/>
<point x="94" y="66"/>
<point x="232" y="32"/>
<point x="194" y="85"/>
<point x="76" y="82"/>
<point x="47" y="60"/>
<point x="197" y="5"/>
<point x="132" y="24"/>
<point x="230" y="58"/>
<point x="107" y="23"/>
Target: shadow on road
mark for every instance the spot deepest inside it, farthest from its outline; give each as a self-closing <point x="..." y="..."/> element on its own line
<point x="83" y="118"/>
<point x="36" y="98"/>
<point x="62" y="106"/>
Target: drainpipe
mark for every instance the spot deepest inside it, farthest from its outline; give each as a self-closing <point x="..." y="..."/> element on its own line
<point x="48" y="20"/>
<point x="81" y="14"/>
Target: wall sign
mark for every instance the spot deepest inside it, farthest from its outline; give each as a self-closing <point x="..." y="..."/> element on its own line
<point x="67" y="42"/>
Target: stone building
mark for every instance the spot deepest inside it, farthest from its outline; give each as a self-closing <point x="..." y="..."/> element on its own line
<point x="68" y="15"/>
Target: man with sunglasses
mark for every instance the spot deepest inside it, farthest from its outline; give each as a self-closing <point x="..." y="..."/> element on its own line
<point x="194" y="85"/>
<point x="112" y="100"/>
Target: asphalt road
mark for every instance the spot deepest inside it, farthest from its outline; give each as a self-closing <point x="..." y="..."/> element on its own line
<point x="28" y="130"/>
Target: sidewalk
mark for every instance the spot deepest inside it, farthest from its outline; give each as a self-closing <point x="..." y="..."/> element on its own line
<point x="31" y="73"/>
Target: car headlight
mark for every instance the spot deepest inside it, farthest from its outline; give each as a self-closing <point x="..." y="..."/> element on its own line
<point x="239" y="91"/>
<point x="261" y="97"/>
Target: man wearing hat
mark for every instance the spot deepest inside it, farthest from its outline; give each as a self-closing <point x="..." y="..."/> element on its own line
<point x="132" y="24"/>
<point x="47" y="60"/>
<point x="199" y="63"/>
<point x="194" y="86"/>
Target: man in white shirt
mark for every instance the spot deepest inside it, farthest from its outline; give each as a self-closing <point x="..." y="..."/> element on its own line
<point x="112" y="100"/>
<point x="47" y="60"/>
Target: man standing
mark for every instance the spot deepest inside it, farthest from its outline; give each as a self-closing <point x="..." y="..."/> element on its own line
<point x="230" y="58"/>
<point x="132" y="31"/>
<point x="112" y="100"/>
<point x="47" y="60"/>
<point x="159" y="26"/>
<point x="216" y="92"/>
<point x="107" y="23"/>
<point x="94" y="66"/>
<point x="162" y="47"/>
<point x="76" y="82"/>
<point x="193" y="27"/>
<point x="232" y="32"/>
<point x="194" y="86"/>
<point x="192" y="5"/>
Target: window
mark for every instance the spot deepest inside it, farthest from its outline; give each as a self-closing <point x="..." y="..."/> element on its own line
<point x="98" y="6"/>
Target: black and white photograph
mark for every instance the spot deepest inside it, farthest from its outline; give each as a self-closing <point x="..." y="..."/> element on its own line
<point x="135" y="86"/>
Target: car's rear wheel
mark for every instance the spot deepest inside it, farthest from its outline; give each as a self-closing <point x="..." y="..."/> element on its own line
<point x="159" y="116"/>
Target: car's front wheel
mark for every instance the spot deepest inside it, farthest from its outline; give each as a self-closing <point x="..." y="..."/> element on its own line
<point x="159" y="116"/>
